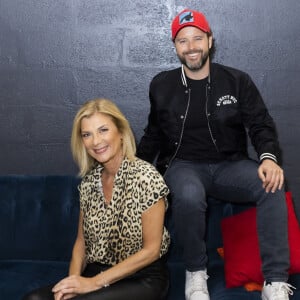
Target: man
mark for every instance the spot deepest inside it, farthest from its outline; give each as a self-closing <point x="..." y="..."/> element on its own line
<point x="197" y="131"/>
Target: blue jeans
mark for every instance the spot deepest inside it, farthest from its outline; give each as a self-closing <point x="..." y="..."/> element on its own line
<point x="236" y="181"/>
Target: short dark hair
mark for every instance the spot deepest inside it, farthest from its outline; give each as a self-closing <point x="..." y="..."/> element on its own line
<point x="213" y="49"/>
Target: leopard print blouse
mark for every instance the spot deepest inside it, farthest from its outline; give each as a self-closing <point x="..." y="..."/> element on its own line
<point x="114" y="232"/>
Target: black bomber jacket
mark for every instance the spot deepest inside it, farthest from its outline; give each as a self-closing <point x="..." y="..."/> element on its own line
<point x="234" y="108"/>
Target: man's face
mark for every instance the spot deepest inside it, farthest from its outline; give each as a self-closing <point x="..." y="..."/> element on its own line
<point x="192" y="47"/>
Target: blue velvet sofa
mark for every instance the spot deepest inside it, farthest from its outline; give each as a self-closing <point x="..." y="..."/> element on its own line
<point x="38" y="223"/>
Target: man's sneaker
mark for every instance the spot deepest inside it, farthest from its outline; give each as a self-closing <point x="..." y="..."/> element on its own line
<point x="196" y="285"/>
<point x="276" y="291"/>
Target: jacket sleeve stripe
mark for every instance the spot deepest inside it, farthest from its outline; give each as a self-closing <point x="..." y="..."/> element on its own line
<point x="268" y="156"/>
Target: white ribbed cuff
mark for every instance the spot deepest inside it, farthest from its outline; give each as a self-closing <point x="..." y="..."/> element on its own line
<point x="268" y="156"/>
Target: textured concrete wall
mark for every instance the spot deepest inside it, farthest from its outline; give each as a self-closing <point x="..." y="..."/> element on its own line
<point x="55" y="54"/>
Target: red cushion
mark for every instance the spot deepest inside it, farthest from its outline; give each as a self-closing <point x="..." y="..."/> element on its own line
<point x="294" y="236"/>
<point x="242" y="261"/>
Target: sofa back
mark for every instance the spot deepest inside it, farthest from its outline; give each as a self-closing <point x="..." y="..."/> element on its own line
<point x="38" y="217"/>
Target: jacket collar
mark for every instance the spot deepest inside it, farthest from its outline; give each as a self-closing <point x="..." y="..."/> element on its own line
<point x="183" y="76"/>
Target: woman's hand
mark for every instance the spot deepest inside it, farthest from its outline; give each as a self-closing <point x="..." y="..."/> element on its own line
<point x="74" y="285"/>
<point x="60" y="296"/>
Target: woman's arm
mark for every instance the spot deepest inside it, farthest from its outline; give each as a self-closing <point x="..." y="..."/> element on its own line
<point x="152" y="226"/>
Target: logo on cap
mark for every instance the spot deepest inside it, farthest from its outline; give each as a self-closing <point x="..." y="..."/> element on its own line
<point x="186" y="17"/>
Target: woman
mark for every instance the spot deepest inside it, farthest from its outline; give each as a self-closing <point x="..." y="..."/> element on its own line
<point x="121" y="240"/>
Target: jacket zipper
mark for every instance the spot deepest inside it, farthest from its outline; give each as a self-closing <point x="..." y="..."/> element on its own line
<point x="182" y="130"/>
<point x="207" y="117"/>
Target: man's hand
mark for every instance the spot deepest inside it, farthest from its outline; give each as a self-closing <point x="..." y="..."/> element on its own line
<point x="72" y="286"/>
<point x="271" y="175"/>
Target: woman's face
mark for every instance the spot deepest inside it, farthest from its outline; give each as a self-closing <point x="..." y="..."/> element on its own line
<point x="102" y="139"/>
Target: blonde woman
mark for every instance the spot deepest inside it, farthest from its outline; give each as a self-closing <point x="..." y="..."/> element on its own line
<point x="121" y="241"/>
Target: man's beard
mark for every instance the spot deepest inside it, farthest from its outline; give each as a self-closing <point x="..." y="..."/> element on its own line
<point x="196" y="66"/>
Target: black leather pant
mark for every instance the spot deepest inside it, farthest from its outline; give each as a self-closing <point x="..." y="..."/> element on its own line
<point x="150" y="283"/>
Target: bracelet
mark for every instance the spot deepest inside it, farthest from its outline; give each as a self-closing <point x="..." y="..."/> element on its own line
<point x="105" y="284"/>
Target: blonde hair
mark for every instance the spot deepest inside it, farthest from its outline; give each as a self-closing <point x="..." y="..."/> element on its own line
<point x="84" y="161"/>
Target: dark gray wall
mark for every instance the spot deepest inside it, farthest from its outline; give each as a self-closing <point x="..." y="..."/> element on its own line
<point x="55" y="54"/>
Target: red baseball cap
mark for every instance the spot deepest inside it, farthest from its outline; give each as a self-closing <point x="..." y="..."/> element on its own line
<point x="189" y="17"/>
